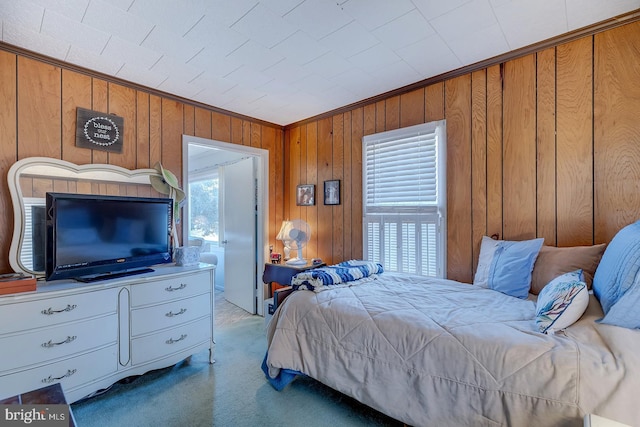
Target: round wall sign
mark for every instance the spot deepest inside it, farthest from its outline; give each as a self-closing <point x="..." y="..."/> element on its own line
<point x="101" y="131"/>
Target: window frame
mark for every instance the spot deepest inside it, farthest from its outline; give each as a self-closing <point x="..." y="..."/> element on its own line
<point x="437" y="211"/>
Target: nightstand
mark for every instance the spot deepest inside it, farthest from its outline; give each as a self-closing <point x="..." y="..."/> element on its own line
<point x="281" y="274"/>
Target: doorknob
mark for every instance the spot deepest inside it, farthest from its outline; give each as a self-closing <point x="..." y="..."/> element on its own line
<point x="224" y="242"/>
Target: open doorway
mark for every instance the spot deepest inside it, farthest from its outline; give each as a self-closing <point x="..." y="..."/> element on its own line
<point x="227" y="191"/>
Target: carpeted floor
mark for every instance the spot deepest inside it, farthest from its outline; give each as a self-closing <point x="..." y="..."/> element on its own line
<point x="231" y="392"/>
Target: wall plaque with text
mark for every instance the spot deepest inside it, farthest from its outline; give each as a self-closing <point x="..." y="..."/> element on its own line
<point x="99" y="131"/>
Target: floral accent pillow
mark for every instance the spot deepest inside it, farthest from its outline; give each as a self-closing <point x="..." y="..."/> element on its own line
<point x="562" y="302"/>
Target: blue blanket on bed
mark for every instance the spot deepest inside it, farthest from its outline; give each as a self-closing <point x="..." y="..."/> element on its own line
<point x="335" y="275"/>
<point x="284" y="377"/>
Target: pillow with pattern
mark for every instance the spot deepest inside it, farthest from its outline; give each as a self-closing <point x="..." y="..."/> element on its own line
<point x="562" y="302"/>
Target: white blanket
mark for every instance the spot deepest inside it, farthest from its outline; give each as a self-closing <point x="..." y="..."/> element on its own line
<point x="441" y="353"/>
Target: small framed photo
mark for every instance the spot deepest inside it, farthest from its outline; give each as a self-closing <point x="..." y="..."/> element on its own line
<point x="332" y="192"/>
<point x="306" y="195"/>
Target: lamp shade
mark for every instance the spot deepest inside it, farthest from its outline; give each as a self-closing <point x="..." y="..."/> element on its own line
<point x="285" y="230"/>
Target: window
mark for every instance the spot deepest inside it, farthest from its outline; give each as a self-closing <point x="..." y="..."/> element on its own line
<point x="204" y="206"/>
<point x="404" y="215"/>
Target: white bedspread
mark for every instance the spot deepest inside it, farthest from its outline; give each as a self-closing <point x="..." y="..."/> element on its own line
<point x="441" y="353"/>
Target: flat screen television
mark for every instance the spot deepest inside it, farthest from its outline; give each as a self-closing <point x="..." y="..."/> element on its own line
<point x="93" y="237"/>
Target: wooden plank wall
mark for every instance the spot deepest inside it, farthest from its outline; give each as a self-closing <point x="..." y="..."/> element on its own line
<point x="38" y="115"/>
<point x="543" y="145"/>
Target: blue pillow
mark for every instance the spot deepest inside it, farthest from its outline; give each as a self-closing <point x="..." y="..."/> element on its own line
<point x="618" y="268"/>
<point x="506" y="266"/>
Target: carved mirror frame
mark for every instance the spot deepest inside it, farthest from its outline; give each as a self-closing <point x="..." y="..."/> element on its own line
<point x="30" y="179"/>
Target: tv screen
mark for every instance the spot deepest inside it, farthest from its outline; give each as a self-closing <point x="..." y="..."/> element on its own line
<point x="90" y="237"/>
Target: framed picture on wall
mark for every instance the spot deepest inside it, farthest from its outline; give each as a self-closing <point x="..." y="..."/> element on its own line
<point x="306" y="195"/>
<point x="332" y="192"/>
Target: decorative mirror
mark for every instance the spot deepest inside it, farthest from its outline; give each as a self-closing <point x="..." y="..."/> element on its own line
<point x="31" y="178"/>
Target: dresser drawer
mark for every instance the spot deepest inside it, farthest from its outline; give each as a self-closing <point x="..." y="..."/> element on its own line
<point x="171" y="288"/>
<point x="70" y="373"/>
<point x="170" y="314"/>
<point x="52" y="343"/>
<point x="164" y="343"/>
<point x="47" y="312"/>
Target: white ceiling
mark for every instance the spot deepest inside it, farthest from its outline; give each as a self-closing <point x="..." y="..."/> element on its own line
<point x="286" y="60"/>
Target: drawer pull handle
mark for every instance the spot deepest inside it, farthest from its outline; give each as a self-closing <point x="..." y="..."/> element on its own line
<point x="171" y="288"/>
<point x="171" y="313"/>
<point x="54" y="379"/>
<point x="50" y="344"/>
<point x="172" y="341"/>
<point x="49" y="311"/>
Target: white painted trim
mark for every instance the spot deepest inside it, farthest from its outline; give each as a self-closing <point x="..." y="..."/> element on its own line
<point x="262" y="237"/>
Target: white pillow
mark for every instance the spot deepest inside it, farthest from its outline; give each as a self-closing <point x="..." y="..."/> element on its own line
<point x="562" y="302"/>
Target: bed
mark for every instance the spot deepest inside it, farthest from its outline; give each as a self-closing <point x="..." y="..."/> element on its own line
<point x="433" y="352"/>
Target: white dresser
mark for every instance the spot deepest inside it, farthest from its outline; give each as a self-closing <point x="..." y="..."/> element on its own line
<point x="88" y="336"/>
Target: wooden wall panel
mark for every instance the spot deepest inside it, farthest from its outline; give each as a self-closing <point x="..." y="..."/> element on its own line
<point x="155" y="130"/>
<point x="311" y="212"/>
<point x="99" y="102"/>
<point x="270" y="142"/>
<point x="221" y="127"/>
<point x="459" y="218"/>
<point x="276" y="168"/>
<point x="478" y="161"/>
<point x="203" y="124"/>
<point x="189" y="120"/>
<point x="519" y="149"/>
<point x="8" y="145"/>
<point x="292" y="172"/>
<point x="235" y="131"/>
<point x="39" y="111"/>
<point x="336" y="212"/>
<point x="616" y="129"/>
<point x="324" y="223"/>
<point x="355" y="195"/>
<point x="303" y="167"/>
<point x="246" y="133"/>
<point x="574" y="147"/>
<point x="172" y="136"/>
<point x="546" y="146"/>
<point x="122" y="102"/>
<point x="256" y="135"/>
<point x="381" y="116"/>
<point x="142" y="131"/>
<point x="434" y="102"/>
<point x="76" y="92"/>
<point x="392" y="113"/>
<point x="412" y="108"/>
<point x="287" y="180"/>
<point x="347" y="187"/>
<point x="494" y="151"/>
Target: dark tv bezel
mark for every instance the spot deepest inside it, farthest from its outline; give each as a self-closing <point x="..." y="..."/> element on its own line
<point x="107" y="268"/>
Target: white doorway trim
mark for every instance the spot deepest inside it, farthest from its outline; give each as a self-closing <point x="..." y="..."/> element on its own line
<point x="262" y="223"/>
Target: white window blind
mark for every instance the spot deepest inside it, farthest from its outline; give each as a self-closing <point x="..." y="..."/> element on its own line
<point x="404" y="199"/>
<point x="27" y="249"/>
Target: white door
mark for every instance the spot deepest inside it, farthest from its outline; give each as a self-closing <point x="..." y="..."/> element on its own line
<point x="239" y="234"/>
